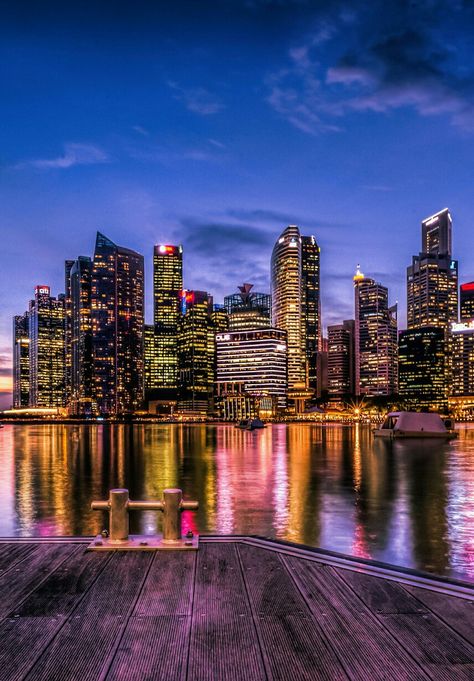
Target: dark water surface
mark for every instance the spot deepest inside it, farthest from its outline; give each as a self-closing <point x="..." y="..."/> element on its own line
<point x="409" y="503"/>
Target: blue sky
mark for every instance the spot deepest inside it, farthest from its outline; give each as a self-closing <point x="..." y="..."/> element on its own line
<point x="216" y="124"/>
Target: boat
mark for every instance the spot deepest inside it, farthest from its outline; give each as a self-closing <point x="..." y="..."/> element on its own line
<point x="411" y="424"/>
<point x="250" y="424"/>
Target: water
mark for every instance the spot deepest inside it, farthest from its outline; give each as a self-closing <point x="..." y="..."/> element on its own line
<point x="408" y="503"/>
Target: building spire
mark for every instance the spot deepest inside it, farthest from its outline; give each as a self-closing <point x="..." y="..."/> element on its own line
<point x="358" y="276"/>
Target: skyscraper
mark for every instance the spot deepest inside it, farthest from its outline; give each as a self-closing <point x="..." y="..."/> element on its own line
<point x="432" y="278"/>
<point x="341" y="361"/>
<point x="194" y="385"/>
<point x="117" y="326"/>
<point x="21" y="361"/>
<point x="167" y="287"/>
<point x="375" y="338"/>
<point x="295" y="304"/>
<point x="151" y="365"/>
<point x="82" y="361"/>
<point x="467" y="301"/>
<point x="46" y="350"/>
<point x="422" y="365"/>
<point x="67" y="329"/>
<point x="248" y="309"/>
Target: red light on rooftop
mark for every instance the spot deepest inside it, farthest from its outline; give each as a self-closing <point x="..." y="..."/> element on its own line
<point x="190" y="297"/>
<point x="166" y="249"/>
<point x="468" y="287"/>
<point x="42" y="290"/>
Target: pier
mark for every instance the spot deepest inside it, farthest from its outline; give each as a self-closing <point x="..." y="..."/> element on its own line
<point x="237" y="608"/>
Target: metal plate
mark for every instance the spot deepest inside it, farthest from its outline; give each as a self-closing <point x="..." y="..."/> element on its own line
<point x="144" y="543"/>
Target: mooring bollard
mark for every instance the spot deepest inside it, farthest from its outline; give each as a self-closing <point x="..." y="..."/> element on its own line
<point x="119" y="504"/>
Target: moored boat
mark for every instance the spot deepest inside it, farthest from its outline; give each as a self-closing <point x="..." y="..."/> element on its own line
<point x="411" y="424"/>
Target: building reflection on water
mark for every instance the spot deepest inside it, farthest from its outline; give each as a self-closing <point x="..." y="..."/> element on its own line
<point x="408" y="502"/>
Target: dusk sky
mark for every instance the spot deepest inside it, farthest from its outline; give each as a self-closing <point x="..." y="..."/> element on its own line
<point x="216" y="124"/>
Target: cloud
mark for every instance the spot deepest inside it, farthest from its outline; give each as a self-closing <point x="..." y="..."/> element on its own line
<point x="140" y="130"/>
<point x="74" y="154"/>
<point x="197" y="99"/>
<point x="396" y="55"/>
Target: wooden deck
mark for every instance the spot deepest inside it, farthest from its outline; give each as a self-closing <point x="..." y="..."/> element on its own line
<point x="239" y="608"/>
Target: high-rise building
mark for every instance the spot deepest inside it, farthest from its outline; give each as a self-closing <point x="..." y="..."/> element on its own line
<point x="310" y="257"/>
<point x="257" y="359"/>
<point x="467" y="301"/>
<point x="432" y="278"/>
<point x="46" y="351"/>
<point x="248" y="309"/>
<point x="82" y="360"/>
<point x="67" y="329"/>
<point x="341" y="360"/>
<point x="151" y="365"/>
<point x="21" y="361"/>
<point x="422" y="366"/>
<point x="375" y="338"/>
<point x="194" y="385"/>
<point x="167" y="287"/>
<point x="117" y="327"/>
<point x="462" y="338"/>
<point x="436" y="233"/>
<point x="295" y="304"/>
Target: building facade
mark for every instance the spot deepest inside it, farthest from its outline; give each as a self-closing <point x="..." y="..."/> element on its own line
<point x="462" y="339"/>
<point x="82" y="359"/>
<point x="46" y="350"/>
<point x="117" y="292"/>
<point x="194" y="353"/>
<point x="256" y="359"/>
<point x="167" y="287"/>
<point x="375" y="339"/>
<point x="341" y="359"/>
<point x="248" y="309"/>
<point x="466" y="306"/>
<point x="295" y="304"/>
<point x="422" y="367"/>
<point x="21" y="361"/>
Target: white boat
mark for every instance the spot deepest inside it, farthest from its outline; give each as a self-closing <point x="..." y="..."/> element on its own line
<point x="407" y="424"/>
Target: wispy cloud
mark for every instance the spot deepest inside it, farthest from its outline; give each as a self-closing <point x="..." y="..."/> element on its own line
<point x="75" y="154"/>
<point x="392" y="58"/>
<point x="141" y="130"/>
<point x="197" y="99"/>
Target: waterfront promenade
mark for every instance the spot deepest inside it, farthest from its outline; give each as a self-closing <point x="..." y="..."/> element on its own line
<point x="238" y="608"/>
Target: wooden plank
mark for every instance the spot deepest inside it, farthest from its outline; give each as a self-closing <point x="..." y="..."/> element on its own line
<point x="60" y="592"/>
<point x="224" y="642"/>
<point x="18" y="582"/>
<point x="365" y="648"/>
<point x="441" y="652"/>
<point x="380" y="595"/>
<point x="457" y="612"/>
<point x="292" y="641"/>
<point x="22" y="641"/>
<point x="152" y="649"/>
<point x="10" y="554"/>
<point x="84" y="645"/>
<point x="169" y="585"/>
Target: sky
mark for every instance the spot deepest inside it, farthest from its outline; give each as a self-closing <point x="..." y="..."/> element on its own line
<point x="216" y="124"/>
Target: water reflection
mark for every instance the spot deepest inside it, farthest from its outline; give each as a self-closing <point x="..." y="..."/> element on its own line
<point x="409" y="503"/>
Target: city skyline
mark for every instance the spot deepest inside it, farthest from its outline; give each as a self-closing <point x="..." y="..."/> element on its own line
<point x="154" y="148"/>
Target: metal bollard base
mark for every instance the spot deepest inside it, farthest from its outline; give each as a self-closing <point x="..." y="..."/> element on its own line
<point x="143" y="542"/>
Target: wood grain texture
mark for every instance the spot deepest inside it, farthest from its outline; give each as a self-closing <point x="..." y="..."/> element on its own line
<point x="169" y="585"/>
<point x="293" y="643"/>
<point x="360" y="640"/>
<point x="10" y="554"/>
<point x="457" y="612"/>
<point x="224" y="643"/>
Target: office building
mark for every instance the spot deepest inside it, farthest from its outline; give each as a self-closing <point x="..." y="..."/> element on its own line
<point x="466" y="302"/>
<point x="151" y="364"/>
<point x="117" y="327"/>
<point x="341" y="359"/>
<point x="462" y="339"/>
<point x="21" y="361"/>
<point x="167" y="287"/>
<point x="422" y="367"/>
<point x="432" y="278"/>
<point x="255" y="359"/>
<point x="68" y="264"/>
<point x="375" y="338"/>
<point x="195" y="388"/>
<point x="46" y="350"/>
<point x="82" y="360"/>
<point x="248" y="309"/>
<point x="296" y="307"/>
